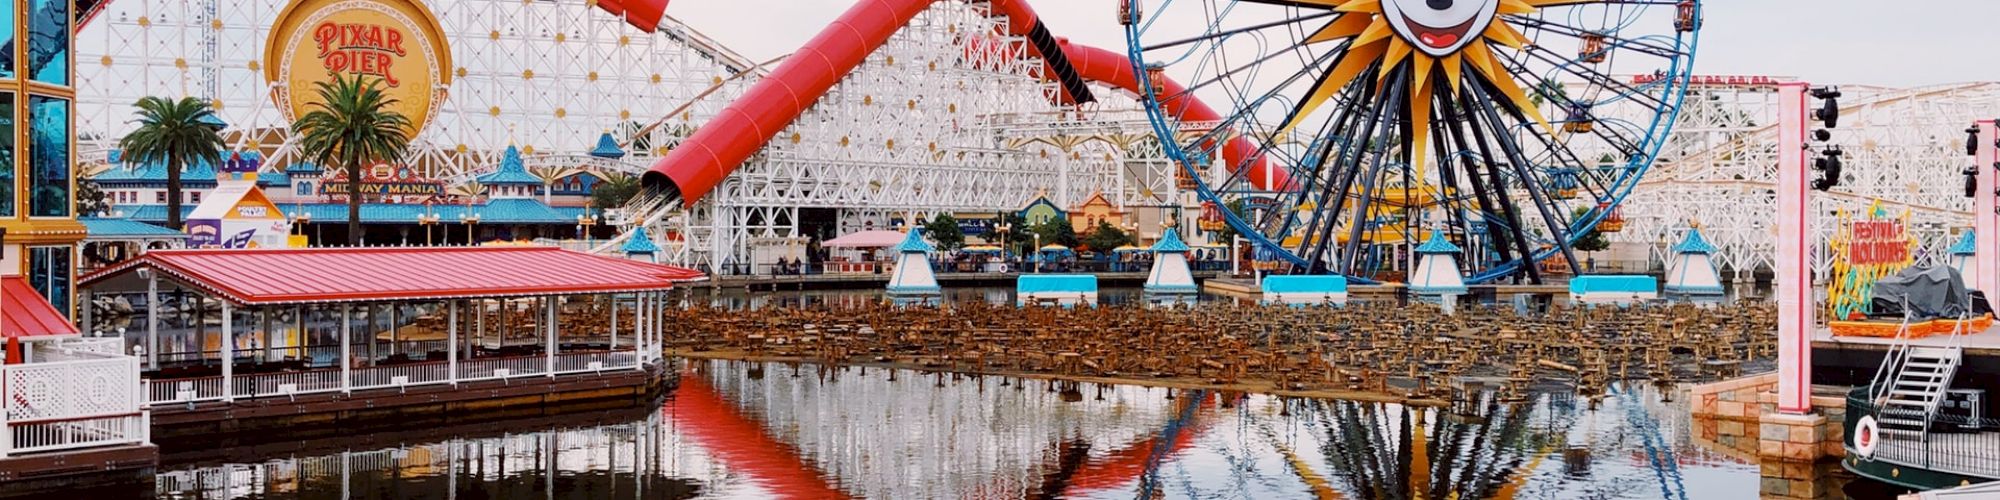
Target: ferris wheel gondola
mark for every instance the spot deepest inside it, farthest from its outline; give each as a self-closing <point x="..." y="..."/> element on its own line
<point x="1358" y="126"/>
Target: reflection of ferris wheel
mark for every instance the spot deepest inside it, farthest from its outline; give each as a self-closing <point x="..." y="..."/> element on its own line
<point x="1360" y="126"/>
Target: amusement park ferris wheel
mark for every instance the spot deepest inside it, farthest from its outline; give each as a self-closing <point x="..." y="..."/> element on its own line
<point x="1359" y="128"/>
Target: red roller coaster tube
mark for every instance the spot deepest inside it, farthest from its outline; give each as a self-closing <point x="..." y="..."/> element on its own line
<point x="743" y="127"/>
<point x="642" y="14"/>
<point x="722" y="145"/>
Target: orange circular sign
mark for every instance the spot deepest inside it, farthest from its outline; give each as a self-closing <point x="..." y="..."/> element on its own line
<point x="397" y="43"/>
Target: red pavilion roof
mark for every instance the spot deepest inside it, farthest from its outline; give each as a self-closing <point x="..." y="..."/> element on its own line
<point x="25" y="314"/>
<point x="292" y="276"/>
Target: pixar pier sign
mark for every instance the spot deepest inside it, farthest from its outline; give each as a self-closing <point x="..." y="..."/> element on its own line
<point x="396" y="44"/>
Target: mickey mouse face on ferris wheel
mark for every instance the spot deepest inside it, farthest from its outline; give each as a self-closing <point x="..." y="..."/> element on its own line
<point x="1439" y="27"/>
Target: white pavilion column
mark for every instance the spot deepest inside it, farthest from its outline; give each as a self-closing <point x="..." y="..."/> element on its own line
<point x="614" y="321"/>
<point x="451" y="342"/>
<point x="153" y="320"/>
<point x="264" y="317"/>
<point x="299" y="326"/>
<point x="228" y="352"/>
<point x="549" y="323"/>
<point x="346" y="348"/>
<point x="85" y="307"/>
<point x="1794" y="284"/>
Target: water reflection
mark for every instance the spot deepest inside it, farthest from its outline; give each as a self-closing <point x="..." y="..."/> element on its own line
<point x="740" y="430"/>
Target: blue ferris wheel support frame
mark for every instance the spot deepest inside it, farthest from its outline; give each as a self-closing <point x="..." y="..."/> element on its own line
<point x="1674" y="83"/>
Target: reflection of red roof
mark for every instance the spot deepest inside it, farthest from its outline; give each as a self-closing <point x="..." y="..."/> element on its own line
<point x="23" y="312"/>
<point x="289" y="276"/>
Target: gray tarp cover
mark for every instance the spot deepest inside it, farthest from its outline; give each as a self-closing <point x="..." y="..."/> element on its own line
<point x="1929" y="293"/>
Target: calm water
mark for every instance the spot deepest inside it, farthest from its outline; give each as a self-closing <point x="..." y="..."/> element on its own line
<point x="742" y="430"/>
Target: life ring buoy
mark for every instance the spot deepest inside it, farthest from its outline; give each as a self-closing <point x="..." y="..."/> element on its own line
<point x="1867" y="436"/>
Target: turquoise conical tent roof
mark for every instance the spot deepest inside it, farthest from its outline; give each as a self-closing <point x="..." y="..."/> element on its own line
<point x="1966" y="245"/>
<point x="511" y="171"/>
<point x="913" y="242"/>
<point x="640" y="243"/>
<point x="1694" y="243"/>
<point x="607" y="148"/>
<point x="1437" y="244"/>
<point x="1170" y="242"/>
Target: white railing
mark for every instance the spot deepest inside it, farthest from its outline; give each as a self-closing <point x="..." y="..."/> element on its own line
<point x="114" y="346"/>
<point x="287" y="384"/>
<point x="79" y="433"/>
<point x="81" y="399"/>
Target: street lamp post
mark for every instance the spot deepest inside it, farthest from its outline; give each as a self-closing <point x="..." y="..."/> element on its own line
<point x="428" y="220"/>
<point x="471" y="222"/>
<point x="1037" y="253"/>
<point x="1003" y="228"/>
<point x="302" y="220"/>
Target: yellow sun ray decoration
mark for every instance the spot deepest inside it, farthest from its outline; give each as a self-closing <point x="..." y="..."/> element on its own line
<point x="1382" y="34"/>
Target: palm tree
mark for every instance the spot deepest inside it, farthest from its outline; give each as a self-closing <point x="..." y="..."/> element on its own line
<point x="353" y="123"/>
<point x="176" y="133"/>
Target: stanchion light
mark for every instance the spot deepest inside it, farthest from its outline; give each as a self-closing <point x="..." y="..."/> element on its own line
<point x="1829" y="110"/>
<point x="1828" y="165"/>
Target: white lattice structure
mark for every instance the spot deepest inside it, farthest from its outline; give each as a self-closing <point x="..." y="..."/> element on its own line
<point x="69" y="395"/>
<point x="550" y="76"/>
<point x="1903" y="147"/>
<point x="925" y="126"/>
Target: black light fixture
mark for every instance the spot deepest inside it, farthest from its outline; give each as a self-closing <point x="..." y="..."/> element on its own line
<point x="1829" y="109"/>
<point x="1822" y="135"/>
<point x="1828" y="165"/>
<point x="1971" y="181"/>
<point x="1972" y="140"/>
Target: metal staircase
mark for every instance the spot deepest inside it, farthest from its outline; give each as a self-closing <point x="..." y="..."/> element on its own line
<point x="1912" y="381"/>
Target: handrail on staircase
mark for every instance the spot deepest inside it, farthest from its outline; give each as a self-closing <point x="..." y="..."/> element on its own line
<point x="1892" y="362"/>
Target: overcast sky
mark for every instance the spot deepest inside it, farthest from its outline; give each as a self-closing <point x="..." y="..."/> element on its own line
<point x="1904" y="43"/>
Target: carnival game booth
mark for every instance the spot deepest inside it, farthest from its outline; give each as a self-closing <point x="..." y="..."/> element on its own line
<point x="1612" y="289"/>
<point x="1304" y="290"/>
<point x="338" y="323"/>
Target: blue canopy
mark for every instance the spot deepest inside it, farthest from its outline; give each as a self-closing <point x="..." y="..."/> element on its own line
<point x="511" y="171"/>
<point x="1694" y="243"/>
<point x="607" y="148"/>
<point x="1437" y="244"/>
<point x="1613" y="283"/>
<point x="1170" y="242"/>
<point x="1966" y="244"/>
<point x="914" y="242"/>
<point x="640" y="243"/>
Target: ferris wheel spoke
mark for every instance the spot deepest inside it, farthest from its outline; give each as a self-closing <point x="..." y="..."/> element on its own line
<point x="1188" y="91"/>
<point x="1519" y="164"/>
<point x="1610" y="38"/>
<point x="1331" y="172"/>
<point x="1510" y="214"/>
<point x="1456" y="134"/>
<point x="1377" y="149"/>
<point x="1592" y="77"/>
<point x="1217" y="35"/>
